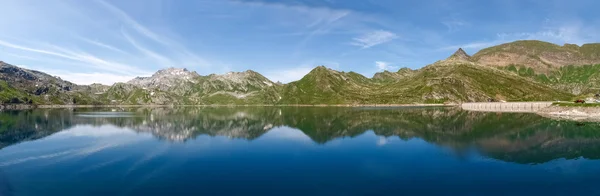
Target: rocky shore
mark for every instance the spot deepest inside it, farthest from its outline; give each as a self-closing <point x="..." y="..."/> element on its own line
<point x="571" y="113"/>
<point x="16" y="107"/>
<point x="26" y="107"/>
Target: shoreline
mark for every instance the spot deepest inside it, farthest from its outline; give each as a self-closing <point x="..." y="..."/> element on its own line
<point x="26" y="107"/>
<point x="579" y="113"/>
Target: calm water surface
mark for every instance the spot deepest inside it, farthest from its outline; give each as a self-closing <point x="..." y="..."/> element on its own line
<point x="295" y="151"/>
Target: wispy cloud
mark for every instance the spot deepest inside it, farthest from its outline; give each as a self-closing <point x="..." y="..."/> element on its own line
<point x="373" y="38"/>
<point x="183" y="56"/>
<point x="384" y="66"/>
<point x="91" y="60"/>
<point x="317" y="12"/>
<point x="130" y="21"/>
<point x="103" y="45"/>
<point x="454" y="24"/>
<point x="15" y="46"/>
<point x="308" y="21"/>
<point x="323" y="25"/>
<point x="166" y="62"/>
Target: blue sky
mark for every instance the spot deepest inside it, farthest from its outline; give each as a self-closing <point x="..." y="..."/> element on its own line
<point x="110" y="41"/>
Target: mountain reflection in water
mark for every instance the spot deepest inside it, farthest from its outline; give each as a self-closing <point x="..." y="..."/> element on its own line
<point x="520" y="138"/>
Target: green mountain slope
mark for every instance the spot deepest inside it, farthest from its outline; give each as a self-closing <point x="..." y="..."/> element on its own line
<point x="569" y="68"/>
<point x="387" y="77"/>
<point x="11" y="95"/>
<point x="40" y="88"/>
<point x="453" y="80"/>
<point x="578" y="80"/>
<point x="464" y="82"/>
<point x="543" y="57"/>
<point x="327" y="86"/>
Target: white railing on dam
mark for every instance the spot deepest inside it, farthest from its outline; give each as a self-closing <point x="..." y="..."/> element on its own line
<point x="505" y="106"/>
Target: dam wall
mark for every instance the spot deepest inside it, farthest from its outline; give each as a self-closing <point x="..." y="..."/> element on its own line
<point x="520" y="107"/>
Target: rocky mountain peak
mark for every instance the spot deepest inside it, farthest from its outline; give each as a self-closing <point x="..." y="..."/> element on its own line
<point x="173" y="72"/>
<point x="322" y="69"/>
<point x="460" y="54"/>
<point x="459" y="57"/>
<point x="248" y="76"/>
<point x="405" y="70"/>
<point x="165" y="78"/>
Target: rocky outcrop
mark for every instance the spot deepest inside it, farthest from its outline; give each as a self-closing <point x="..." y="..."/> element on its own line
<point x="166" y="79"/>
<point x="588" y="114"/>
<point x="460" y="55"/>
<point x="16" y="107"/>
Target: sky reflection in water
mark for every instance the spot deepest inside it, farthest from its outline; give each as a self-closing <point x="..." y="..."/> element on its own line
<point x="294" y="151"/>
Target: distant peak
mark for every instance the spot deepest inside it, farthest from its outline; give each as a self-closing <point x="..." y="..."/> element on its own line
<point x="172" y="71"/>
<point x="404" y="69"/>
<point x="460" y="54"/>
<point x="320" y="68"/>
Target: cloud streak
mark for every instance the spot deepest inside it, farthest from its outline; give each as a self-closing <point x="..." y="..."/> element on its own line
<point x="373" y="38"/>
<point x="103" y="45"/>
<point x="130" y="21"/>
<point x="166" y="62"/>
<point x="384" y="66"/>
<point x="183" y="55"/>
<point x="93" y="61"/>
<point x="454" y="24"/>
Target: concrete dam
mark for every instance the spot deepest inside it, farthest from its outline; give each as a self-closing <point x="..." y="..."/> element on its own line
<point x="519" y="107"/>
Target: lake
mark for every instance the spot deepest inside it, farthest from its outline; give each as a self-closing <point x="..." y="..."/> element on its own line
<point x="295" y="151"/>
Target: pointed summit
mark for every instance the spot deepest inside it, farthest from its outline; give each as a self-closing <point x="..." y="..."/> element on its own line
<point x="461" y="55"/>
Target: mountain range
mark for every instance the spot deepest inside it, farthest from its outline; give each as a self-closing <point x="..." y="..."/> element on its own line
<point x="517" y="71"/>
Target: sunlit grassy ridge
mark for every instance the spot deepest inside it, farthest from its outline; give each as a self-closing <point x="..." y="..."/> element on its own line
<point x="585" y="79"/>
<point x="433" y="84"/>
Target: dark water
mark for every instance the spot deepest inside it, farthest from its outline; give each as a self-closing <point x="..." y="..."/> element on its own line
<point x="295" y="151"/>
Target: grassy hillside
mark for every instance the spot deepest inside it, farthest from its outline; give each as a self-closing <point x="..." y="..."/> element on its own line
<point x="11" y="95"/>
<point x="579" y="80"/>
<point x="464" y="82"/>
<point x="543" y="57"/>
<point x="326" y="86"/>
<point x="432" y="84"/>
